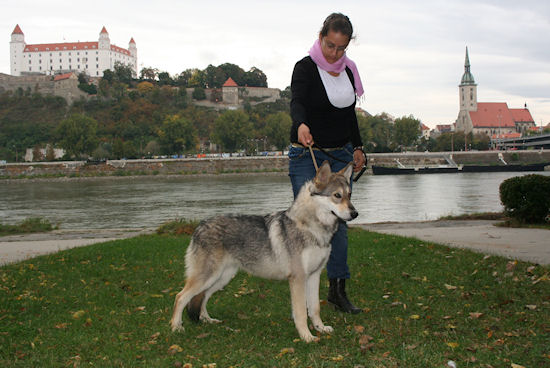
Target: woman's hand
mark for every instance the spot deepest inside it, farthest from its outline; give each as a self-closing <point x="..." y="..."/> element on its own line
<point x="358" y="160"/>
<point x="304" y="135"/>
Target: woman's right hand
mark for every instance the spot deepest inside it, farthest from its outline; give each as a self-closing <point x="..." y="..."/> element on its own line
<point x="304" y="135"/>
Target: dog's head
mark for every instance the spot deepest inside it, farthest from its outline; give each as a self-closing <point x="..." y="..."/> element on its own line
<point x="334" y="191"/>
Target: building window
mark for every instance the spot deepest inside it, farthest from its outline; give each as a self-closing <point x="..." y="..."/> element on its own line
<point x="69" y="60"/>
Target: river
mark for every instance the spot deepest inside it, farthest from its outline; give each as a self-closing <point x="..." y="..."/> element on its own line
<point x="147" y="201"/>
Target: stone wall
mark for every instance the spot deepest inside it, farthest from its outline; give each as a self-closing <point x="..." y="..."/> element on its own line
<point x="184" y="166"/>
<point x="43" y="84"/>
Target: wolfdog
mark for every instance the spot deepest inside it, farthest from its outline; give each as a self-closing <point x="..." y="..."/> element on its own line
<point x="292" y="244"/>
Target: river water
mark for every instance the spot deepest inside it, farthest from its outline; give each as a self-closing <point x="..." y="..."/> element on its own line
<point x="100" y="203"/>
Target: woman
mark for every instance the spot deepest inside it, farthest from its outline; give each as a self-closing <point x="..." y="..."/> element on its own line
<point x="324" y="89"/>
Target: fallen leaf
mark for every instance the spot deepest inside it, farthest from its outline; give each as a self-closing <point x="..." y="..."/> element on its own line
<point x="531" y="306"/>
<point x="453" y="345"/>
<point x="450" y="287"/>
<point x="516" y="366"/>
<point x="475" y="315"/>
<point x="365" y="339"/>
<point x="510" y="266"/>
<point x="285" y="351"/>
<point x="415" y="316"/>
<point x="77" y="315"/>
<point x="359" y="329"/>
<point x="337" y="358"/>
<point x="174" y="349"/>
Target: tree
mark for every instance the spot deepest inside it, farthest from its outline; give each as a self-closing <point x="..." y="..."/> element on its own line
<point x="406" y="130"/>
<point x="233" y="71"/>
<point x="198" y="79"/>
<point x="214" y="76"/>
<point x="165" y="79"/>
<point x="78" y="134"/>
<point x="148" y="74"/>
<point x="255" y="78"/>
<point x="124" y="73"/>
<point x="177" y="135"/>
<point x="277" y="129"/>
<point x="231" y="130"/>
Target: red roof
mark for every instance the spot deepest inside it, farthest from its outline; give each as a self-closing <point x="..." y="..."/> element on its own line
<point x="230" y="83"/>
<point x="492" y="114"/>
<point x="424" y="127"/>
<point x="522" y="115"/>
<point x="62" y="76"/>
<point x="132" y="40"/>
<point x="17" y="30"/>
<point x="43" y="47"/>
<point x="104" y="30"/>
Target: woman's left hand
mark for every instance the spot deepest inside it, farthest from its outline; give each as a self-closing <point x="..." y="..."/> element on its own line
<point x="358" y="160"/>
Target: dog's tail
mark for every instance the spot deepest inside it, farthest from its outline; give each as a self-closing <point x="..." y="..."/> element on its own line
<point x="194" y="307"/>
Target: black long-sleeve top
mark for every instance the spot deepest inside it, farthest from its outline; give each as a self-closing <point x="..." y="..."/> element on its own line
<point x="330" y="126"/>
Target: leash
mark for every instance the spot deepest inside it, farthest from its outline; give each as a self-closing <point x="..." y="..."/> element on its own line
<point x="355" y="178"/>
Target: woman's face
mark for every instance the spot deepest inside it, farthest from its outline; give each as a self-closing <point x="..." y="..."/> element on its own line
<point x="333" y="45"/>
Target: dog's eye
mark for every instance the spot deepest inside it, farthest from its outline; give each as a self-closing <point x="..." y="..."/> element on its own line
<point x="338" y="195"/>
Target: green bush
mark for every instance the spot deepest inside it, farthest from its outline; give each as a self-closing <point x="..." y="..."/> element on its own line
<point x="526" y="198"/>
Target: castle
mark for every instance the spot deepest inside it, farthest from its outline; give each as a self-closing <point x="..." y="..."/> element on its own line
<point x="494" y="119"/>
<point x="59" y="58"/>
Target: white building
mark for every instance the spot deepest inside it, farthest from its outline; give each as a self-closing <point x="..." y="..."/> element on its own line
<point x="56" y="58"/>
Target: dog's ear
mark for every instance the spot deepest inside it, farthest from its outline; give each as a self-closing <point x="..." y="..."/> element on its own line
<point x="347" y="171"/>
<point x="323" y="175"/>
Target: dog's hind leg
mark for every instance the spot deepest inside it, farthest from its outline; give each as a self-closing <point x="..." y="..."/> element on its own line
<point x="299" y="308"/>
<point x="193" y="286"/>
<point x="313" y="305"/>
<point x="226" y="276"/>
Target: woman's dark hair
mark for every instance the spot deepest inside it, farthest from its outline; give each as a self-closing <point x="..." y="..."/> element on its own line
<point x="337" y="22"/>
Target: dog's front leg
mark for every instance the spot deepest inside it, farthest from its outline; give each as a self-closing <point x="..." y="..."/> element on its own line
<point x="313" y="305"/>
<point x="299" y="309"/>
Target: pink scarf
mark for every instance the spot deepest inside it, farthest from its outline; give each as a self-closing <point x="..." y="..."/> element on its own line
<point x="317" y="56"/>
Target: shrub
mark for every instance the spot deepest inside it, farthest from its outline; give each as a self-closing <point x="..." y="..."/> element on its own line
<point x="526" y="198"/>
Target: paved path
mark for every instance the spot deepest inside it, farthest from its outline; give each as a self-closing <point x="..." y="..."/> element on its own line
<point x="532" y="245"/>
<point x="15" y="248"/>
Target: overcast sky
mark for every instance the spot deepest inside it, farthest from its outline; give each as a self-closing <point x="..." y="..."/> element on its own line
<point x="410" y="53"/>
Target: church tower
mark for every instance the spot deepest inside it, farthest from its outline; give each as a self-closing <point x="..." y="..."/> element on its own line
<point x="468" y="88"/>
<point x="468" y="98"/>
<point x="17" y="46"/>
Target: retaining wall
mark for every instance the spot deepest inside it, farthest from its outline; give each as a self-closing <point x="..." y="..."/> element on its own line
<point x="253" y="164"/>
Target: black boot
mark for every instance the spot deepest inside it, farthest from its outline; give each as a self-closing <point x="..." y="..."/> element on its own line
<point x="337" y="296"/>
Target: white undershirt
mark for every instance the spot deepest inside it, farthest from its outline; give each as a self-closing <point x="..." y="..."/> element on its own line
<point x="339" y="89"/>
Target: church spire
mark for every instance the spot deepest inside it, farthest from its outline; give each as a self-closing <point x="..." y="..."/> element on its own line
<point x="467" y="77"/>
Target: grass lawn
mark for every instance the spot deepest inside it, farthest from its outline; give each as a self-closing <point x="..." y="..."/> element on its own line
<point x="109" y="305"/>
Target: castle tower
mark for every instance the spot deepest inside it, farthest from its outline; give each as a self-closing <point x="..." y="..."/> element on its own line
<point x="104" y="50"/>
<point x="468" y="98"/>
<point x="104" y="40"/>
<point x="17" y="46"/>
<point x="132" y="48"/>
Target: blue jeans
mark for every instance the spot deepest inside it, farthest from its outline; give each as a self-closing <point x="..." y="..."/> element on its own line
<point x="300" y="170"/>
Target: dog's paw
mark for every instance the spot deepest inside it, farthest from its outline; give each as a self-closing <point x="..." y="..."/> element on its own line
<point x="309" y="338"/>
<point x="324" y="329"/>
<point x="208" y="319"/>
<point x="177" y="328"/>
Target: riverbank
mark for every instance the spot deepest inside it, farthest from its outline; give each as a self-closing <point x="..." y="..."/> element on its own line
<point x="252" y="165"/>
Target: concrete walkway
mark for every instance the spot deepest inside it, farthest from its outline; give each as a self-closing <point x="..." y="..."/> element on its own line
<point x="531" y="245"/>
<point x="15" y="248"/>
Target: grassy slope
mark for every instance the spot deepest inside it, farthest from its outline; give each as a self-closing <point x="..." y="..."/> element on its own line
<point x="109" y="305"/>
